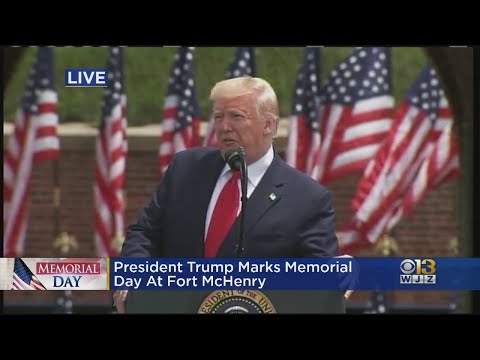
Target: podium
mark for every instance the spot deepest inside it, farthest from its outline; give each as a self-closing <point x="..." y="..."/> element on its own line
<point x="235" y="302"/>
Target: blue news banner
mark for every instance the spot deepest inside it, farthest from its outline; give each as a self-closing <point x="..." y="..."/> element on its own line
<point x="295" y="274"/>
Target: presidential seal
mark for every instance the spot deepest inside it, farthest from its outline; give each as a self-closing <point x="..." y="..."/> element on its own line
<point x="236" y="302"/>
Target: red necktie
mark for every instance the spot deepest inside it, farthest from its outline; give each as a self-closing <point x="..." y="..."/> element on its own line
<point x="223" y="215"/>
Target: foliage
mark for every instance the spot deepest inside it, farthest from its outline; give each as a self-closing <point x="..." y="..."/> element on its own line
<point x="147" y="70"/>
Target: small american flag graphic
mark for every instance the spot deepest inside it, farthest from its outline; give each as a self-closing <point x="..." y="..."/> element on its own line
<point x="23" y="278"/>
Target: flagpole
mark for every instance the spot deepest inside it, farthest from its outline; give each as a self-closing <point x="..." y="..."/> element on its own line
<point x="454" y="297"/>
<point x="56" y="197"/>
<point x="386" y="246"/>
<point x="63" y="243"/>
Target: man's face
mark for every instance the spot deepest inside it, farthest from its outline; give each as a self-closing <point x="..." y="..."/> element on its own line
<point x="237" y="124"/>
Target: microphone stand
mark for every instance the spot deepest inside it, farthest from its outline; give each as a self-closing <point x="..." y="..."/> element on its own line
<point x="244" y="183"/>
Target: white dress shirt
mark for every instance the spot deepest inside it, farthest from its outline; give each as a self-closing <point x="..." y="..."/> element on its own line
<point x="255" y="174"/>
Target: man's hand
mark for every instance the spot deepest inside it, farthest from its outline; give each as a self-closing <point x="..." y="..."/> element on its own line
<point x="119" y="299"/>
<point x="349" y="292"/>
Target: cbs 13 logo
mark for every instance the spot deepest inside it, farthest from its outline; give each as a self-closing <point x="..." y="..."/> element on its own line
<point x="418" y="271"/>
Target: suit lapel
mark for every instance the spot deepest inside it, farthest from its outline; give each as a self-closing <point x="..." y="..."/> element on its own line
<point x="202" y="191"/>
<point x="266" y="195"/>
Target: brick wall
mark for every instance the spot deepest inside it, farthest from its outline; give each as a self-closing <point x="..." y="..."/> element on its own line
<point x="427" y="233"/>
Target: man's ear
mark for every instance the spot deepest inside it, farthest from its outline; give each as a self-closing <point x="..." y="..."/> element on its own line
<point x="268" y="128"/>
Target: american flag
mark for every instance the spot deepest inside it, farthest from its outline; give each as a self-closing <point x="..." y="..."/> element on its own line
<point x="111" y="154"/>
<point x="304" y="135"/>
<point x="243" y="64"/>
<point x="356" y="113"/>
<point x="440" y="164"/>
<point x="23" y="278"/>
<point x="418" y="154"/>
<point x="34" y="139"/>
<point x="181" y="114"/>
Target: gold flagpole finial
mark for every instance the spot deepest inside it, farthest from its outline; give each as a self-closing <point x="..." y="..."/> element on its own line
<point x="453" y="246"/>
<point x="117" y="243"/>
<point x="387" y="245"/>
<point x="64" y="243"/>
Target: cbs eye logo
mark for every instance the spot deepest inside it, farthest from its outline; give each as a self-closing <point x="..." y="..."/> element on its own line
<point x="418" y="271"/>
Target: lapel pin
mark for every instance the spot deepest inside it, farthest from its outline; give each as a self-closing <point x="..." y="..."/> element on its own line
<point x="272" y="196"/>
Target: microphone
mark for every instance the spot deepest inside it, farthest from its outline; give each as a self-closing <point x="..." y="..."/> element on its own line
<point x="236" y="160"/>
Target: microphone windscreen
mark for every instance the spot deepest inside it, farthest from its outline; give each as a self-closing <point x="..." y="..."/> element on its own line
<point x="235" y="157"/>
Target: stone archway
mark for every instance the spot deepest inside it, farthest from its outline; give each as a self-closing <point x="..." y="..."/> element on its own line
<point x="455" y="68"/>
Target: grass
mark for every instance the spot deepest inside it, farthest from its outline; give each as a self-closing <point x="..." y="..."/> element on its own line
<point x="147" y="70"/>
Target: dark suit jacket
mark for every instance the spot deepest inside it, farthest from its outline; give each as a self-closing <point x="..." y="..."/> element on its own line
<point x="298" y="222"/>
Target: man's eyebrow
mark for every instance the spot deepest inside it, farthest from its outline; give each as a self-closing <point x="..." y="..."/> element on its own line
<point x="230" y="110"/>
<point x="237" y="110"/>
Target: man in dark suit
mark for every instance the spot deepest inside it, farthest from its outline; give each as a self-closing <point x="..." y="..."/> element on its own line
<point x="194" y="212"/>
